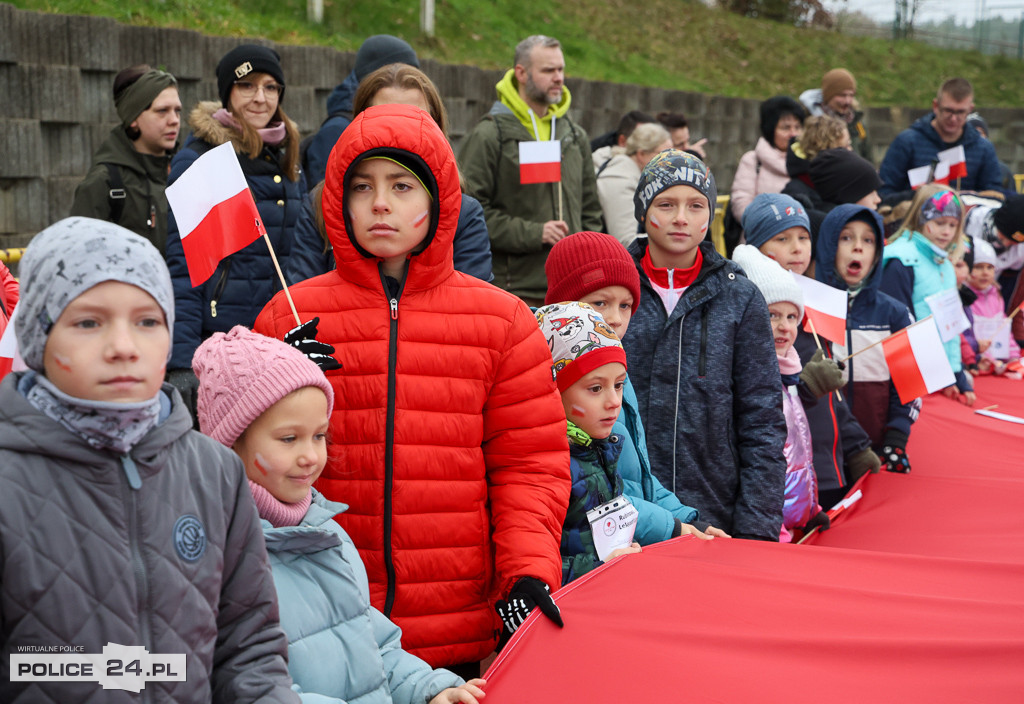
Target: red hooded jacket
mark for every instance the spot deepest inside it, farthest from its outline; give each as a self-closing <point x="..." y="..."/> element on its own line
<point x="9" y="290"/>
<point x="447" y="437"/>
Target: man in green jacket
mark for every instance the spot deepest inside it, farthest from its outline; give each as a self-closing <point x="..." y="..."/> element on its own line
<point x="525" y="220"/>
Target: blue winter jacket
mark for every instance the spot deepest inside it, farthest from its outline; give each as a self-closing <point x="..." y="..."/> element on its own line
<point x="871" y="316"/>
<point x="339" y="116"/>
<point x="472" y="255"/>
<point x="707" y="387"/>
<point x="340" y="649"/>
<point x="245" y="281"/>
<point x="658" y="508"/>
<point x="918" y="145"/>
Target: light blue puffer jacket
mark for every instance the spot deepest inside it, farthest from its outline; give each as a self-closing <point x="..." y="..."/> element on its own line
<point x="657" y="506"/>
<point x="340" y="649"/>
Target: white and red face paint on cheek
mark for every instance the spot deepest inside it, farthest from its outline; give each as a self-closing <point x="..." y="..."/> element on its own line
<point x="578" y="411"/>
<point x="654" y="223"/>
<point x="421" y="218"/>
<point x="62" y="362"/>
<point x="260" y="463"/>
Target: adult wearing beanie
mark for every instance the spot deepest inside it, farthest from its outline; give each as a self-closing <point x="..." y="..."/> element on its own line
<point x="377" y="51"/>
<point x="125" y="184"/>
<point x="837" y="97"/>
<point x="763" y="169"/>
<point x="838" y="176"/>
<point x="249" y="116"/>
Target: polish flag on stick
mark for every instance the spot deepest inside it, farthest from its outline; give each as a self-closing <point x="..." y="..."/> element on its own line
<point x="951" y="164"/>
<point x="216" y="214"/>
<point x="917" y="360"/>
<point x="10" y="357"/>
<point x="540" y="162"/>
<point x="826" y="309"/>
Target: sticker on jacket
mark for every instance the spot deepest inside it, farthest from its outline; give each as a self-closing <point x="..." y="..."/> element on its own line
<point x="189" y="538"/>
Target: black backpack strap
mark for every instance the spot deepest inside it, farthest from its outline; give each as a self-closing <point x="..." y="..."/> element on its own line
<point x="603" y="166"/>
<point x="116" y="195"/>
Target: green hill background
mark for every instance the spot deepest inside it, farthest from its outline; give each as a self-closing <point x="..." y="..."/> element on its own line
<point x="678" y="44"/>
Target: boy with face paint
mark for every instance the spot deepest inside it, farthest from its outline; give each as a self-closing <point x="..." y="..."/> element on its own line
<point x="448" y="436"/>
<point x="590" y="371"/>
<point x="701" y="359"/>
<point x="142" y="530"/>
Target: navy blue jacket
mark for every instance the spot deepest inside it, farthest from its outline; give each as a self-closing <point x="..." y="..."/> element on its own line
<point x="472" y="255"/>
<point x="244" y="282"/>
<point x="707" y="385"/>
<point x="917" y="146"/>
<point x="871" y="316"/>
<point x="339" y="116"/>
<point x="835" y="433"/>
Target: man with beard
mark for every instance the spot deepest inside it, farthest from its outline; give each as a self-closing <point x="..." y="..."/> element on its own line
<point x="837" y="97"/>
<point x="525" y="219"/>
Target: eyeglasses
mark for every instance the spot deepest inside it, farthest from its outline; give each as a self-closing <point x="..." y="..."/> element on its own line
<point x="950" y="112"/>
<point x="247" y="89"/>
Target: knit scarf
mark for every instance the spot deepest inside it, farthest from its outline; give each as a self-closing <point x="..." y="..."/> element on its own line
<point x="273" y="134"/>
<point x="104" y="425"/>
<point x="277" y="512"/>
<point x="789" y="363"/>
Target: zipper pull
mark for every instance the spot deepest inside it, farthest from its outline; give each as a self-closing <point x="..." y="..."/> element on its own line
<point x="213" y="309"/>
<point x="394" y="309"/>
<point x="152" y="217"/>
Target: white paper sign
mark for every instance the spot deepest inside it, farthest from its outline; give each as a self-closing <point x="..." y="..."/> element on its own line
<point x="998" y="331"/>
<point x="949" y="314"/>
<point x="613" y="525"/>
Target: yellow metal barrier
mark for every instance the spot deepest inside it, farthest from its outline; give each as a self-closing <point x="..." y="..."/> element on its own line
<point x="9" y="256"/>
<point x="718" y="224"/>
<point x="1018" y="181"/>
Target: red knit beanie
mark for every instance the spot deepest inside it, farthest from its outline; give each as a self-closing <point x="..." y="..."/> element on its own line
<point x="587" y="261"/>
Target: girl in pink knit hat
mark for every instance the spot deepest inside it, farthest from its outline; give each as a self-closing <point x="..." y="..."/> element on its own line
<point x="271" y="404"/>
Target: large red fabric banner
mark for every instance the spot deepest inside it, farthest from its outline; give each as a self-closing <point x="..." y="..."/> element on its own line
<point x="916" y="594"/>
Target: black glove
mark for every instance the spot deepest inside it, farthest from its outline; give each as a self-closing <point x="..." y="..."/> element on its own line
<point x="822" y="376"/>
<point x="303" y="338"/>
<point x="860" y="463"/>
<point x="525" y="594"/>
<point x="820" y="520"/>
<point x="187" y="384"/>
<point x="894" y="452"/>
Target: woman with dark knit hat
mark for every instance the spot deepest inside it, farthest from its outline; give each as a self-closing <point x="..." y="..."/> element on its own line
<point x="763" y="169"/>
<point x="125" y="184"/>
<point x="249" y="116"/>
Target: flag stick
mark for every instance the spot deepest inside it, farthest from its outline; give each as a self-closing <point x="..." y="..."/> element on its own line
<point x="280" y="274"/>
<point x="817" y="341"/>
<point x="878" y="342"/>
<point x="1005" y="322"/>
<point x="559" y="200"/>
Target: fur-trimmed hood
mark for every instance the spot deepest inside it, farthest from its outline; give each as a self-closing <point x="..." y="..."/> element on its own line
<point x="207" y="128"/>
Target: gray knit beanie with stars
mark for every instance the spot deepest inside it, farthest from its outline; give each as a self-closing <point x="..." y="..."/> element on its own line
<point x="67" y="259"/>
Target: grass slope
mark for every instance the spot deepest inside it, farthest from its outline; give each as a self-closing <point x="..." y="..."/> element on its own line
<point x="677" y="44"/>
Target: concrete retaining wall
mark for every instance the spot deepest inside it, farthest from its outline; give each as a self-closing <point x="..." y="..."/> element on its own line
<point x="56" y="73"/>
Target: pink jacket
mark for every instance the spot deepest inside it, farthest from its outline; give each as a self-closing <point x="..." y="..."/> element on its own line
<point x="990" y="304"/>
<point x="762" y="170"/>
<point x="801" y="498"/>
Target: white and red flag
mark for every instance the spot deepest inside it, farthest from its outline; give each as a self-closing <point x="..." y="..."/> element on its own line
<point x="917" y="360"/>
<point x="540" y="162"/>
<point x="214" y="210"/>
<point x="951" y="165"/>
<point x="825" y="308"/>
<point x="10" y="357"/>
